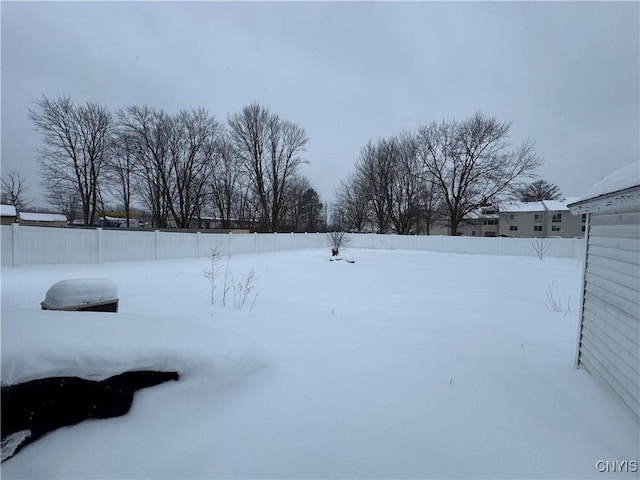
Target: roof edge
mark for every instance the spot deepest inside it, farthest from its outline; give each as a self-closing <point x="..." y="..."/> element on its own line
<point x="625" y="200"/>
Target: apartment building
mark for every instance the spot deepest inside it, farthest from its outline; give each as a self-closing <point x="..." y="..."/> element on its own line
<point x="548" y="218"/>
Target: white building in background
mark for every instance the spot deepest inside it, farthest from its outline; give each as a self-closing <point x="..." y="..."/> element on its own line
<point x="609" y="337"/>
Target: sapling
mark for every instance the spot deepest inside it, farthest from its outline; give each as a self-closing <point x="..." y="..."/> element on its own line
<point x="212" y="273"/>
<point x="226" y="286"/>
<point x="540" y="246"/>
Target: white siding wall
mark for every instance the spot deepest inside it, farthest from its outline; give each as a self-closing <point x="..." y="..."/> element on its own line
<point x="609" y="343"/>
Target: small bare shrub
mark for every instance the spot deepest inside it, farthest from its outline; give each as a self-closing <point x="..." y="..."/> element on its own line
<point x="540" y="246"/>
<point x="337" y="240"/>
<point x="242" y="290"/>
<point x="556" y="301"/>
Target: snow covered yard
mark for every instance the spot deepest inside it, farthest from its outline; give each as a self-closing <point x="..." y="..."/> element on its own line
<point x="402" y="365"/>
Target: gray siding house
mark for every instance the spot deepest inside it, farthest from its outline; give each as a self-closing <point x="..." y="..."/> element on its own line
<point x="609" y="336"/>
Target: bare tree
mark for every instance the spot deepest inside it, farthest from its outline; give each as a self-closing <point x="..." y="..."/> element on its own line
<point x="270" y="151"/>
<point x="292" y="211"/>
<point x="537" y="191"/>
<point x="432" y="209"/>
<point x="192" y="156"/>
<point x="353" y="202"/>
<point x="65" y="201"/>
<point x="148" y="130"/>
<point x="226" y="181"/>
<point x="14" y="190"/>
<point x="406" y="186"/>
<point x="375" y="169"/>
<point x="472" y="164"/>
<point x="74" y="152"/>
<point x="120" y="171"/>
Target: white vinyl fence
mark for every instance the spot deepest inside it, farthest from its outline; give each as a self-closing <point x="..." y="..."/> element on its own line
<point x="26" y="245"/>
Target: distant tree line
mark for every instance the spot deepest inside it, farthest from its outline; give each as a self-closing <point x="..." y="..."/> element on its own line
<point x="440" y="173"/>
<point x="182" y="167"/>
<point x="245" y="172"/>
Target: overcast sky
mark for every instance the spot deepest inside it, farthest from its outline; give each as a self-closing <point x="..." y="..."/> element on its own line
<point x="566" y="74"/>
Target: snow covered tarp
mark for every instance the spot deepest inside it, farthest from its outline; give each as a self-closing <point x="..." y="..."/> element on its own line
<point x="82" y="294"/>
<point x="40" y="344"/>
<point x="51" y="361"/>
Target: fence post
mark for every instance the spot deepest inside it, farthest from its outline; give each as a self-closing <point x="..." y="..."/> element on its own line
<point x="255" y="242"/>
<point x="99" y="245"/>
<point x="198" y="237"/>
<point x="15" y="244"/>
<point x="157" y="246"/>
<point x="230" y="243"/>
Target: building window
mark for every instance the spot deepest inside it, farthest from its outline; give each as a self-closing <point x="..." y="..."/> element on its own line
<point x="473" y="233"/>
<point x="584" y="218"/>
<point x="557" y="217"/>
<point x="490" y="221"/>
<point x="537" y="217"/>
<point x="513" y="217"/>
<point x="583" y="228"/>
<point x="537" y="228"/>
<point x="489" y="234"/>
<point x="513" y="228"/>
<point x="555" y="228"/>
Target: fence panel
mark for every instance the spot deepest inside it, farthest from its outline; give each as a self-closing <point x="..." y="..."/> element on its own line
<point x="6" y="245"/>
<point x="176" y="245"/>
<point x="49" y="245"/>
<point x="244" y="243"/>
<point x="214" y="242"/>
<point x="126" y="246"/>
<point x="26" y="245"/>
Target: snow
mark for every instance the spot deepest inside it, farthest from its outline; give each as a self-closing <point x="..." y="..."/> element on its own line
<point x="545" y="205"/>
<point x="403" y="364"/>
<point x="80" y="291"/>
<point x="7" y="211"/>
<point x="559" y="205"/>
<point x="42" y="217"/>
<point x="517" y="207"/>
<point x="621" y="179"/>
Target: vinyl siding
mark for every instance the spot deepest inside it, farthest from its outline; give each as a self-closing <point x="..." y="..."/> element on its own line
<point x="610" y="331"/>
